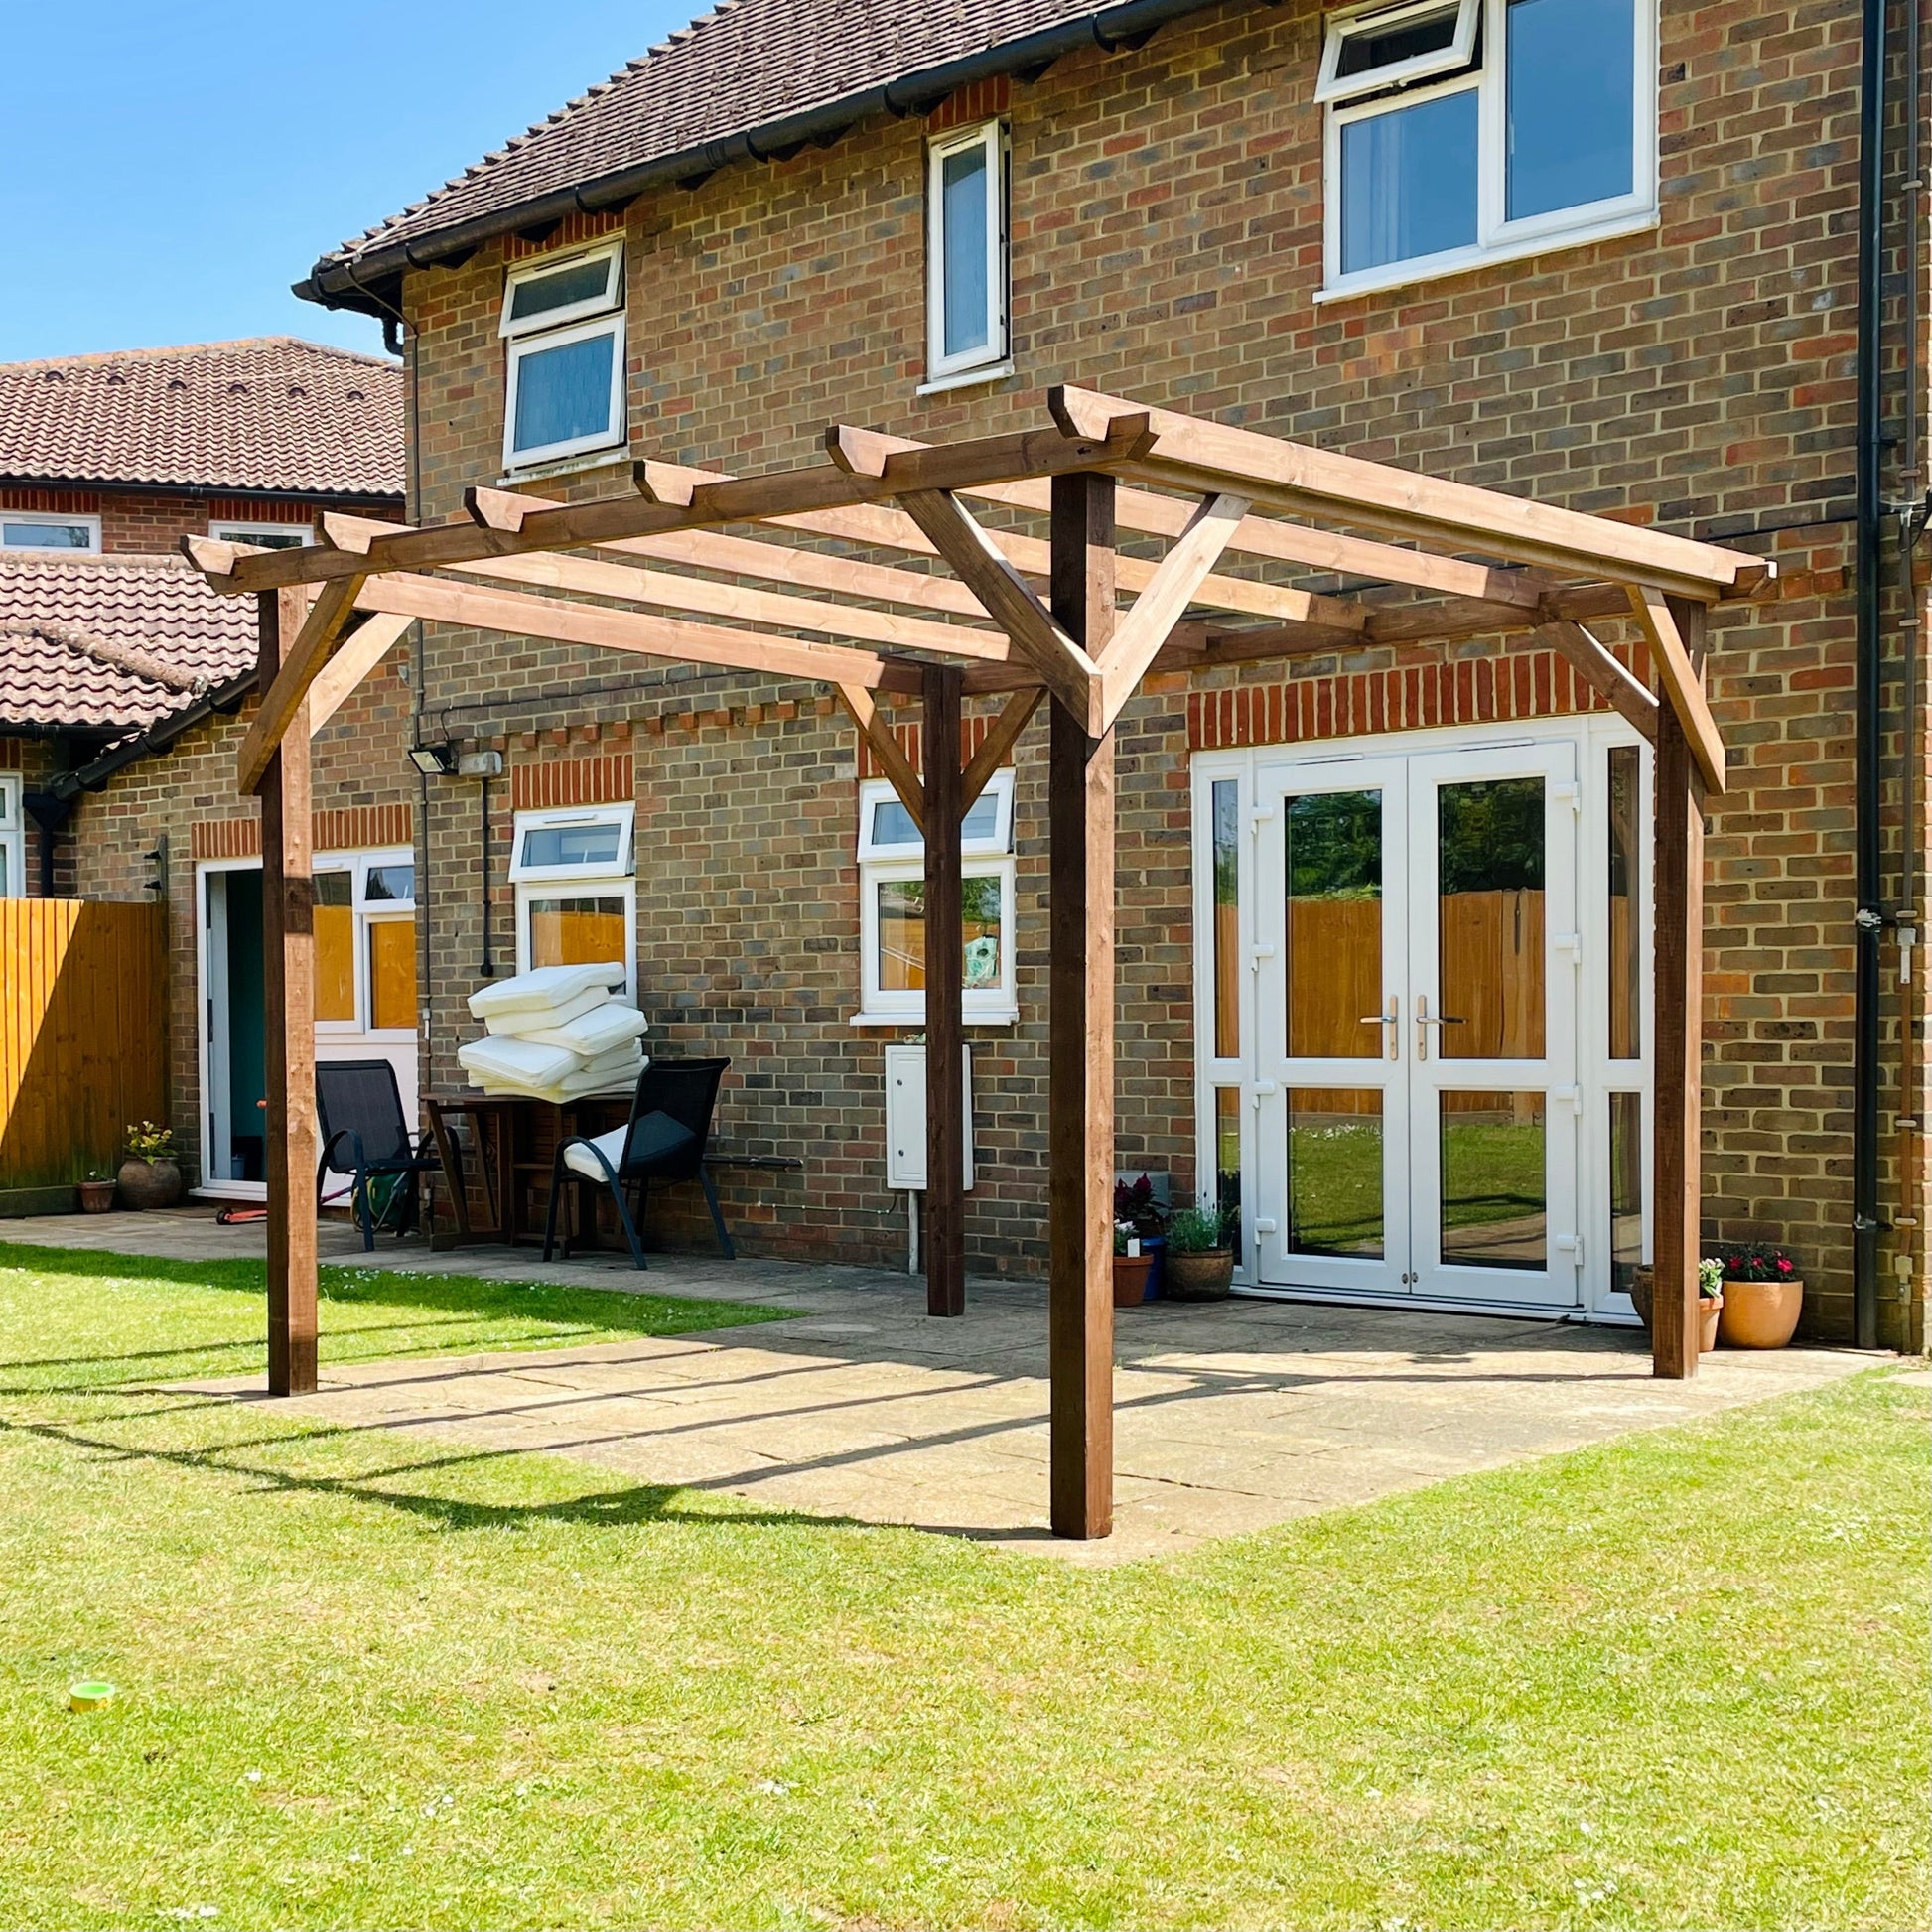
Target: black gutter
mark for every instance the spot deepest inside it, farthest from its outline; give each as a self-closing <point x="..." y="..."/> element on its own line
<point x="349" y="284"/>
<point x="1869" y="919"/>
<point x="221" y="699"/>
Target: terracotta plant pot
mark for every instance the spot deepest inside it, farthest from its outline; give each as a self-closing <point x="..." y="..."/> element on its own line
<point x="149" y="1183"/>
<point x="1759" y="1314"/>
<point x="1710" y="1310"/>
<point x="1200" y="1274"/>
<point x="96" y="1196"/>
<point x="1130" y="1279"/>
<point x="1640" y="1283"/>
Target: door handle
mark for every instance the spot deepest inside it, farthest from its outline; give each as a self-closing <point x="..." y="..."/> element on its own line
<point x="1390" y="1019"/>
<point x="1425" y="1019"/>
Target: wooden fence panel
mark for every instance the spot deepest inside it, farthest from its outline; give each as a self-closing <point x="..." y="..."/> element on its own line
<point x="84" y="1035"/>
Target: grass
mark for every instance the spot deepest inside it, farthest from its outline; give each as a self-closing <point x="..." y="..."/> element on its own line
<point x="1677" y="1680"/>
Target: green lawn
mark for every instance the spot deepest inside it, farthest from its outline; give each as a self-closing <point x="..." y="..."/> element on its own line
<point x="372" y="1682"/>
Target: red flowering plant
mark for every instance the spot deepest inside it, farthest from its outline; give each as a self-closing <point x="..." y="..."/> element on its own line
<point x="1138" y="1207"/>
<point x="1755" y="1261"/>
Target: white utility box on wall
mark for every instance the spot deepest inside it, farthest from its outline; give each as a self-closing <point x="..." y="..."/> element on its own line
<point x="906" y="1117"/>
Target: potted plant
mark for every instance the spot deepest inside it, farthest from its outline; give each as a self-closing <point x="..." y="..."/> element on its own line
<point x="150" y="1176"/>
<point x="1132" y="1265"/>
<point x="1201" y="1258"/>
<point x="1711" y="1303"/>
<point x="1763" y="1293"/>
<point x="1139" y="1206"/>
<point x="96" y="1192"/>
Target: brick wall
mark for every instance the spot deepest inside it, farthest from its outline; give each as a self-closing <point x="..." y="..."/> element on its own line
<point x="1166" y="243"/>
<point x="150" y="522"/>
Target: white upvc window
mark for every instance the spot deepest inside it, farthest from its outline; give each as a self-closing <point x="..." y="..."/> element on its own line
<point x="891" y="908"/>
<point x="966" y="256"/>
<point x="1466" y="131"/>
<point x="62" y="534"/>
<point x="13" y="844"/>
<point x="365" y="944"/>
<point x="576" y="890"/>
<point x="563" y="329"/>
<point x="264" y="536"/>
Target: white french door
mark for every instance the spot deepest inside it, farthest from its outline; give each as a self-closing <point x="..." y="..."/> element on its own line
<point x="1416" y="957"/>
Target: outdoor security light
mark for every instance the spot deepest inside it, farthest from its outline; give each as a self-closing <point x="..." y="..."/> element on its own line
<point x="433" y="760"/>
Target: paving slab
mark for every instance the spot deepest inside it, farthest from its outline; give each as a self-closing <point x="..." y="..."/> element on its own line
<point x="1231" y="1417"/>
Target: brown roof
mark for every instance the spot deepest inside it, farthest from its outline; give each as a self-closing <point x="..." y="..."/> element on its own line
<point x="268" y="414"/>
<point x="113" y="644"/>
<point x="788" y="69"/>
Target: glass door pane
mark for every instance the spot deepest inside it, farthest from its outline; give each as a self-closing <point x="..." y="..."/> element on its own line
<point x="1493" y="1112"/>
<point x="1330" y="958"/>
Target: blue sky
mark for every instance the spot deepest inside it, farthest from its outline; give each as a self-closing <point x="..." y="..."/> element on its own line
<point x="168" y="169"/>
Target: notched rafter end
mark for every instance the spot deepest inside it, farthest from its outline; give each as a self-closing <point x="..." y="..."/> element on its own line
<point x="674" y="484"/>
<point x="216" y="558"/>
<point x="1095" y="418"/>
<point x="498" y="510"/>
<point x="863" y="452"/>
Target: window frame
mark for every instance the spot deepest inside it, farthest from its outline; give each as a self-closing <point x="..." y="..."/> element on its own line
<point x="1498" y="239"/>
<point x="536" y="270"/>
<point x="1341" y="27"/>
<point x="51" y="520"/>
<point x="228" y="531"/>
<point x="575" y="322"/>
<point x="993" y="357"/>
<point x="364" y="914"/>
<point x="882" y="864"/>
<point x="623" y="865"/>
<point x="597" y="878"/>
<point x="13" y="835"/>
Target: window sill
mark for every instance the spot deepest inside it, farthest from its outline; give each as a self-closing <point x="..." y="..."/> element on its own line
<point x="939" y="386"/>
<point x="998" y="1017"/>
<point x="565" y="466"/>
<point x="1465" y="261"/>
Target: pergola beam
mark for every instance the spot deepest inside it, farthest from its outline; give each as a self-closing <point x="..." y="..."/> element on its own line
<point x="1682" y="683"/>
<point x="356" y="657"/>
<point x="1604" y="675"/>
<point x="862" y="709"/>
<point x="562" y="621"/>
<point x="295" y="671"/>
<point x="1190" y="452"/>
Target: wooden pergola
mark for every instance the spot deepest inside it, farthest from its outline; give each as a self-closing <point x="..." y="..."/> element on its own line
<point x="798" y="591"/>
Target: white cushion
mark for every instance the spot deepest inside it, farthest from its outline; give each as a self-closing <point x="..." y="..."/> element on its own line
<point x="611" y="1073"/>
<point x="524" y="1021"/>
<point x="600" y="1030"/>
<point x="548" y="986"/>
<point x="521" y="1062"/>
<point x="579" y="1160"/>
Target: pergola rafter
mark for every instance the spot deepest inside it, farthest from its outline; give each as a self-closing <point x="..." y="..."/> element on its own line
<point x="741" y="574"/>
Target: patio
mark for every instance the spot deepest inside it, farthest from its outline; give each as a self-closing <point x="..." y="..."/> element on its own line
<point x="1231" y="1415"/>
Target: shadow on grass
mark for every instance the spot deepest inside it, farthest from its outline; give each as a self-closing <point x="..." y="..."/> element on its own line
<point x="636" y="1505"/>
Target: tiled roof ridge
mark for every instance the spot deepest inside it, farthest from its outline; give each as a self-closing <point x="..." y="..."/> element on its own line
<point x="108" y="357"/>
<point x="354" y="245"/>
<point x="119" y="657"/>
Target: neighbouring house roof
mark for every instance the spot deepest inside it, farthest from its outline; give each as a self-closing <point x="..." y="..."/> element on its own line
<point x="750" y="80"/>
<point x="269" y="414"/>
<point x="106" y="646"/>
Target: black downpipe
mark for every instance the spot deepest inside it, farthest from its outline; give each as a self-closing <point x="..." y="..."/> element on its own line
<point x="1870" y="679"/>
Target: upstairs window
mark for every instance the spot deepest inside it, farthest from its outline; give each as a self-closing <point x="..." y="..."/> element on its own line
<point x="563" y="323"/>
<point x="1461" y="130"/>
<point x="891" y="885"/>
<point x="966" y="254"/>
<point x="264" y="536"/>
<point x="74" y="536"/>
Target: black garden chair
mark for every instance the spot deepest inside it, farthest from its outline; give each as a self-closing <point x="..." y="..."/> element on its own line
<point x="665" y="1140"/>
<point x="365" y="1133"/>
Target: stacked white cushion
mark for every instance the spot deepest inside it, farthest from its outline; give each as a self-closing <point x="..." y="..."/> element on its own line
<point x="555" y="1035"/>
<point x="548" y="986"/>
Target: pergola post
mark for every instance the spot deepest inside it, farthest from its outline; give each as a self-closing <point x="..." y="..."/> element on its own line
<point x="1678" y="894"/>
<point x="288" y="988"/>
<point x="945" y="1154"/>
<point x="1080" y="969"/>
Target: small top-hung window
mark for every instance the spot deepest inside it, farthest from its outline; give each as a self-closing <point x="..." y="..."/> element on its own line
<point x="1394" y="45"/>
<point x="563" y="323"/>
<point x="587" y="843"/>
<point x="29" y="530"/>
